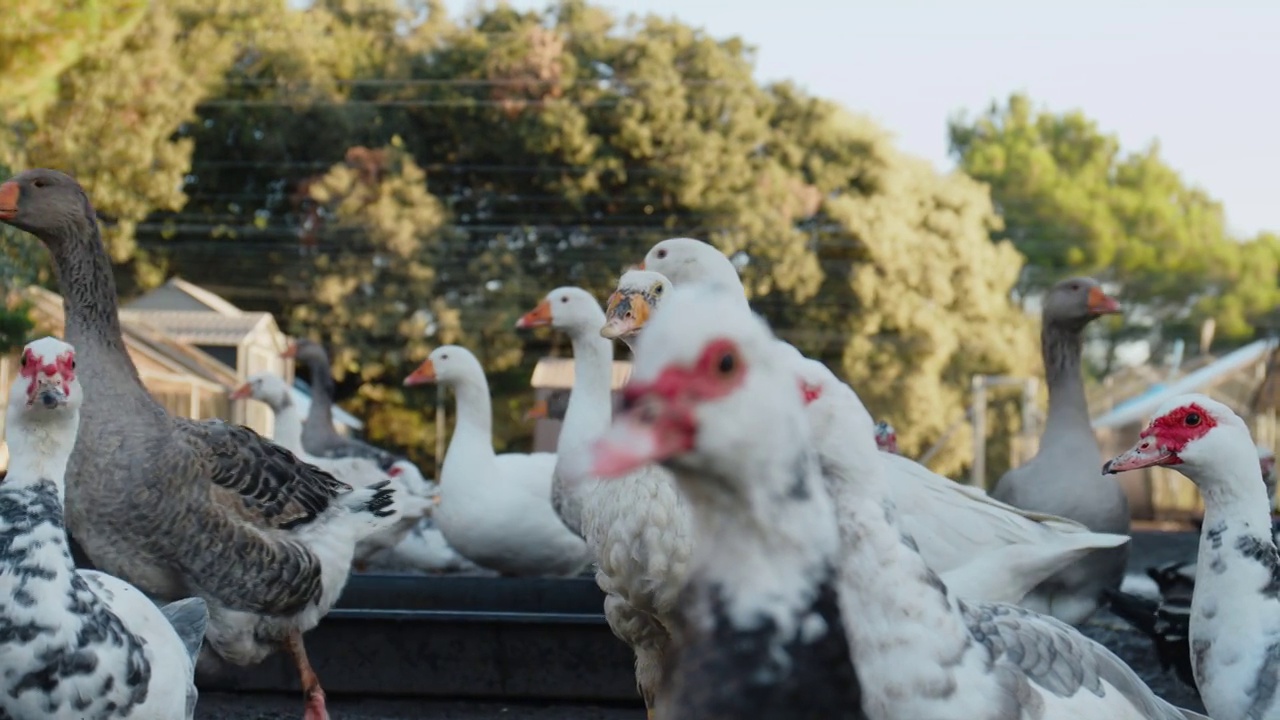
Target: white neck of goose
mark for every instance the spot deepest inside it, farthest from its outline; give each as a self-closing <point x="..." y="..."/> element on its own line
<point x="590" y="401"/>
<point x="39" y="447"/>
<point x="288" y="423"/>
<point x="474" y="408"/>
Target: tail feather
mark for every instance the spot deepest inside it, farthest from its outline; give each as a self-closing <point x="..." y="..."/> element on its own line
<point x="376" y="499"/>
<point x="189" y="617"/>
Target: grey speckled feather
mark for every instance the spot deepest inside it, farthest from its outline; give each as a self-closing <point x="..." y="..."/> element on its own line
<point x="1056" y="658"/>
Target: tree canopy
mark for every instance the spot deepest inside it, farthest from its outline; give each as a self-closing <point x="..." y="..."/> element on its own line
<point x="386" y="178"/>
<point x="1074" y="202"/>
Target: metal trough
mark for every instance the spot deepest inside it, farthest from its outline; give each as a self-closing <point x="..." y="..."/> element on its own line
<point x="458" y="637"/>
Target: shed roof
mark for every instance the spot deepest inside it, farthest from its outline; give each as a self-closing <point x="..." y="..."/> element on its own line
<point x="142" y="337"/>
<point x="1141" y="407"/>
<point x="200" y="327"/>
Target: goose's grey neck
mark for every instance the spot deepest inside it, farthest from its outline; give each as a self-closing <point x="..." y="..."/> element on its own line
<point x="320" y="414"/>
<point x="1063" y="349"/>
<point x="92" y="318"/>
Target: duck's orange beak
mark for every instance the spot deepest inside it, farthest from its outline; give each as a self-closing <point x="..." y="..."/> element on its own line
<point x="291" y="351"/>
<point x="426" y="373"/>
<point x="540" y="316"/>
<point x="241" y="392"/>
<point x="9" y="200"/>
<point x="537" y="412"/>
<point x="1101" y="303"/>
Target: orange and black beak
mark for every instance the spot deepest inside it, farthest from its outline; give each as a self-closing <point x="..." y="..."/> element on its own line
<point x="9" y="200"/>
<point x="291" y="351"/>
<point x="1101" y="303"/>
<point x="426" y="373"/>
<point x="242" y="392"/>
<point x="537" y="412"/>
<point x="626" y="314"/>
<point x="540" y="316"/>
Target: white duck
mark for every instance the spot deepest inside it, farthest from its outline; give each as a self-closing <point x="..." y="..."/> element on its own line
<point x="78" y="643"/>
<point x="271" y="389"/>
<point x="991" y="551"/>
<point x="919" y="652"/>
<point x="637" y="527"/>
<point x="495" y="510"/>
<point x="1235" y="617"/>
<point x="760" y="633"/>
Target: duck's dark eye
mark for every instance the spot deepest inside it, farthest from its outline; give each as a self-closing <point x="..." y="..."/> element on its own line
<point x="564" y="298"/>
<point x="727" y="363"/>
<point x="39" y="182"/>
<point x="444" y="357"/>
<point x="73" y="363"/>
<point x="657" y="289"/>
<point x="1193" y="419"/>
<point x="23" y="361"/>
<point x="1074" y="286"/>
<point x="662" y="254"/>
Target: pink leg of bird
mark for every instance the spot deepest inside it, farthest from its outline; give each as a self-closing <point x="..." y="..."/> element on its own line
<point x="311" y="690"/>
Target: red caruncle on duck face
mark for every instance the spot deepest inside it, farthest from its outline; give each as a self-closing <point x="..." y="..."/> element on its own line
<point x="1166" y="437"/>
<point x="48" y="378"/>
<point x="658" y="419"/>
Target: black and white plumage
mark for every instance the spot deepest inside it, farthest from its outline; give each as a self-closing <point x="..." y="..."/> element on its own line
<point x="759" y="633"/>
<point x="75" y="644"/>
<point x="1234" y="626"/>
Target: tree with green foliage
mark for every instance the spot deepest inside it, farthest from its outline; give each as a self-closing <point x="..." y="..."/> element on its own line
<point x="465" y="168"/>
<point x="1073" y="203"/>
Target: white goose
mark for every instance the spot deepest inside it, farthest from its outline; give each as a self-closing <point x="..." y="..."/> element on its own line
<point x="1235" y="616"/>
<point x="637" y="527"/>
<point x="495" y="510"/>
<point x="271" y="389"/>
<point x="760" y="633"/>
<point x="78" y="643"/>
<point x="993" y="552"/>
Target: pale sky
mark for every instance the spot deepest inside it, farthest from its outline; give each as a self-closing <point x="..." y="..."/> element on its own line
<point x="1202" y="77"/>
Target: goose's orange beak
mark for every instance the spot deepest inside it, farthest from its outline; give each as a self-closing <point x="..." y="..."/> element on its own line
<point x="1101" y="303"/>
<point x="241" y="392"/>
<point x="426" y="373"/>
<point x="540" y="316"/>
<point x="291" y="351"/>
<point x="626" y="314"/>
<point x="537" y="412"/>
<point x="9" y="200"/>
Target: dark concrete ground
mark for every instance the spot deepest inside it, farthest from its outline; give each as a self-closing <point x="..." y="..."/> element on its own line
<point x="1148" y="549"/>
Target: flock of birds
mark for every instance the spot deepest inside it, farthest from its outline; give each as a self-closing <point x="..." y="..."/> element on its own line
<point x="762" y="547"/>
